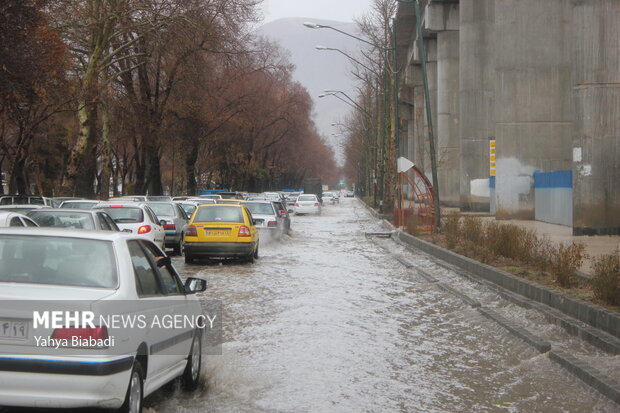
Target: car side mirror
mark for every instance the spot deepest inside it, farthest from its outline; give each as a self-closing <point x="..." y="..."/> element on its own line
<point x="195" y="285"/>
<point x="163" y="222"/>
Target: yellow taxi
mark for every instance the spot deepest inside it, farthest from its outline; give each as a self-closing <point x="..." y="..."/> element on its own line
<point x="221" y="231"/>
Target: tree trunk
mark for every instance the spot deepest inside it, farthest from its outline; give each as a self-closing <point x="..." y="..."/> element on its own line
<point x="106" y="154"/>
<point x="190" y="167"/>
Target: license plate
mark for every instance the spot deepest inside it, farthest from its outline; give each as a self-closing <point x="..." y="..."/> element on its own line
<point x="13" y="329"/>
<point x="215" y="233"/>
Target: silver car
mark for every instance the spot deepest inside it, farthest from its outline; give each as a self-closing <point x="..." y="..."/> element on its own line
<point x="63" y="295"/>
<point x="137" y="218"/>
<point x="266" y="218"/>
<point x="174" y="220"/>
<point x="96" y="220"/>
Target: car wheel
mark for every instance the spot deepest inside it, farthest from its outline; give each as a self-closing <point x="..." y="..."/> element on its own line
<point x="135" y="394"/>
<point x="191" y="376"/>
<point x="188" y="258"/>
<point x="256" y="252"/>
<point x="250" y="258"/>
<point x="178" y="248"/>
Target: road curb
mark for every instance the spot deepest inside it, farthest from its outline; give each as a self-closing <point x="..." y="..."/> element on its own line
<point x="540" y="345"/>
<point x="593" y="315"/>
<point x="589" y="375"/>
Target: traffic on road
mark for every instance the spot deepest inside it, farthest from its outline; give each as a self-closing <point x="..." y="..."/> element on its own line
<point x="314" y="317"/>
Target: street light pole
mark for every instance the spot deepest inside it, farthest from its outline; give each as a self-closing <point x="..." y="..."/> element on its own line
<point x="385" y="51"/>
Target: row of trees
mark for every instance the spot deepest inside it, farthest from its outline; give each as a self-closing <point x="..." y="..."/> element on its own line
<point x="142" y="96"/>
<point x="371" y="133"/>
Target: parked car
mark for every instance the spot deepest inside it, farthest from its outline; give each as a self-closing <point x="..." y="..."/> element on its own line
<point x="128" y="198"/>
<point x="175" y="222"/>
<point x="266" y="218"/>
<point x="15" y="219"/>
<point x="74" y="218"/>
<point x="211" y="196"/>
<point x="221" y="231"/>
<point x="284" y="215"/>
<point x="330" y="197"/>
<point x="307" y="204"/>
<point x="109" y="274"/>
<point x="231" y="195"/>
<point x="25" y="200"/>
<point x="22" y="209"/>
<point x="79" y="204"/>
<point x="349" y="194"/>
<point x="136" y="218"/>
<point x="158" y="198"/>
<point x="229" y="201"/>
<point x="56" y="202"/>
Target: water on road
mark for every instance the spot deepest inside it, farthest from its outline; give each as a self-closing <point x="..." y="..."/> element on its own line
<point x="327" y="321"/>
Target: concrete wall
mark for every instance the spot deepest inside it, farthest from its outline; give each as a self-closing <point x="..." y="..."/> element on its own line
<point x="477" y="100"/>
<point x="596" y="134"/>
<point x="543" y="78"/>
<point x="533" y="107"/>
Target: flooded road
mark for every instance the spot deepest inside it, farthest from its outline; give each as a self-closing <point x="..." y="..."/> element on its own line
<point x="327" y="321"/>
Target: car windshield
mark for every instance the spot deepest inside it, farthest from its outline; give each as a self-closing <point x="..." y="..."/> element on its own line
<point x="78" y="205"/>
<point x="162" y="210"/>
<point x="159" y="198"/>
<point x="75" y="220"/>
<point x="58" y="261"/>
<point x="219" y="214"/>
<point x="306" y="198"/>
<point x="260" y="209"/>
<point x="124" y="215"/>
<point x="273" y="197"/>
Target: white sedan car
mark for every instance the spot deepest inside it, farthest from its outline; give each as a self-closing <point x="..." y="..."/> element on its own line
<point x="67" y="301"/>
<point x="137" y="218"/>
<point x="307" y="204"/>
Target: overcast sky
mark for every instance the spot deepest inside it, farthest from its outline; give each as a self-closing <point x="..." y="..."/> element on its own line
<point x="340" y="10"/>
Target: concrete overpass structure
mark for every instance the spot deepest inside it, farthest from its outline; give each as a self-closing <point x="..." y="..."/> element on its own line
<point x="542" y="78"/>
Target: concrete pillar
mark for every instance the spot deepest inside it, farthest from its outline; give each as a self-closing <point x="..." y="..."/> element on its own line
<point x="596" y="139"/>
<point x="448" y="140"/>
<point x="533" y="110"/>
<point x="477" y="100"/>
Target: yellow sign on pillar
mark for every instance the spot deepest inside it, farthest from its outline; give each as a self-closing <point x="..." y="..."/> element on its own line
<point x="492" y="155"/>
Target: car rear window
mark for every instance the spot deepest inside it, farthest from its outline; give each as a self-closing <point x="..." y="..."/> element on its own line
<point x="159" y="198"/>
<point x="306" y="198"/>
<point x="162" y="210"/>
<point x="62" y="219"/>
<point x="219" y="213"/>
<point x="78" y="205"/>
<point x="125" y="215"/>
<point x="75" y="262"/>
<point x="260" y="209"/>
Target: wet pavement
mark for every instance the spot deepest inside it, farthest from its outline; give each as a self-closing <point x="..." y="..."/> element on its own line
<point x="327" y="321"/>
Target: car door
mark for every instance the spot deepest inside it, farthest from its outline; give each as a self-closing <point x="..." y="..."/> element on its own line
<point x="158" y="231"/>
<point x="176" y="304"/>
<point x="153" y="305"/>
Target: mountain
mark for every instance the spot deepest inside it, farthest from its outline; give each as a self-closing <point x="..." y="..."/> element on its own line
<point x="319" y="70"/>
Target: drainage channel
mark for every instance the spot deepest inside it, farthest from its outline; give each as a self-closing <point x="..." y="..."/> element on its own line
<point x="589" y="354"/>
